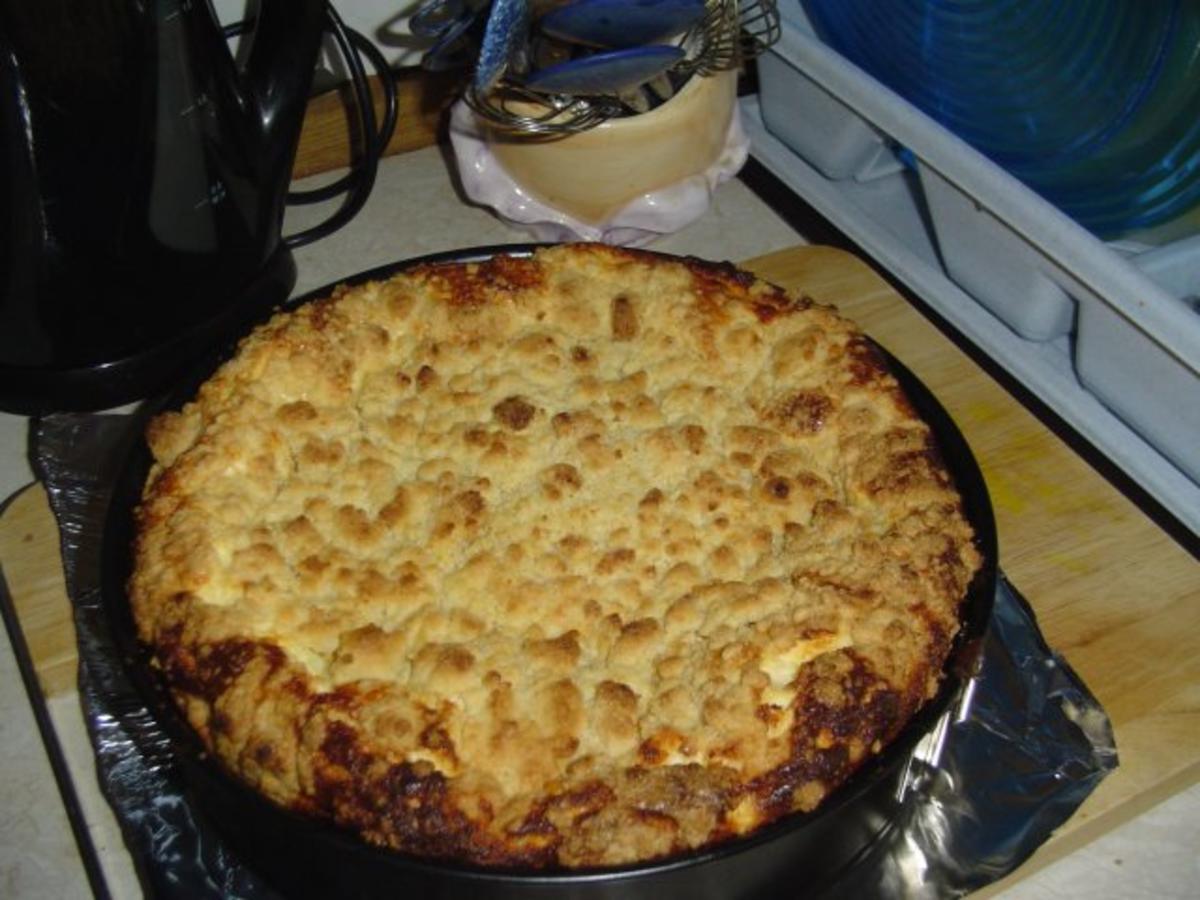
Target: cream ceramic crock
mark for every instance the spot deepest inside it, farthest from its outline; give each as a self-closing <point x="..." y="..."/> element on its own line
<point x="594" y="174"/>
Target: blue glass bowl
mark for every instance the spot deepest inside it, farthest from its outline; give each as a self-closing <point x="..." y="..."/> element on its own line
<point x="1095" y="104"/>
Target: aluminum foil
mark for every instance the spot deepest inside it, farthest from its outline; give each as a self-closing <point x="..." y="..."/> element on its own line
<point x="1023" y="746"/>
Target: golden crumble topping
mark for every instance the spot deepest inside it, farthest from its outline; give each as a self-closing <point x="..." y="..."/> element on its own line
<point x="570" y="560"/>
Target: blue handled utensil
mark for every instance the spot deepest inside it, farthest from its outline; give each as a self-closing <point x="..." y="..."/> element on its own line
<point x="504" y="40"/>
<point x="607" y="73"/>
<point x="621" y="23"/>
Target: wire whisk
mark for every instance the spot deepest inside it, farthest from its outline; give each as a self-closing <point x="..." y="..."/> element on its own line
<point x="730" y="34"/>
<point x="519" y="110"/>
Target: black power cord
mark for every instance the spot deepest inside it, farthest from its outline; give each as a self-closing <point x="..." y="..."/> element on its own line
<point x="378" y="140"/>
<point x="358" y="182"/>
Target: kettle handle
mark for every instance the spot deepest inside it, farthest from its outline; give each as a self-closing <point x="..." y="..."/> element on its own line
<point x="285" y="40"/>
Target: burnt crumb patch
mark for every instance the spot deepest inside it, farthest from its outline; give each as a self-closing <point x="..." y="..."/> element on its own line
<point x="208" y="670"/>
<point x="867" y="364"/>
<point x="560" y="812"/>
<point x="653" y="497"/>
<point x="403" y="804"/>
<point x="769" y="307"/>
<point x="426" y="377"/>
<point x="779" y="488"/>
<point x="841" y="705"/>
<point x="718" y="274"/>
<point x="514" y="412"/>
<point x="804" y="411"/>
<point x="624" y="319"/>
<point x="322" y="312"/>
<point x="468" y="287"/>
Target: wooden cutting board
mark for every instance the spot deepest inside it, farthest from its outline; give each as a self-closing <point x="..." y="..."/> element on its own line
<point x="1112" y="591"/>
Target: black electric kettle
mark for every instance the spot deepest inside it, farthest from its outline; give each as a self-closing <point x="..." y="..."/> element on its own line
<point x="143" y="177"/>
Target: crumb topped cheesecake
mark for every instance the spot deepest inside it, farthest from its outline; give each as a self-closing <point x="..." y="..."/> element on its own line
<point x="574" y="559"/>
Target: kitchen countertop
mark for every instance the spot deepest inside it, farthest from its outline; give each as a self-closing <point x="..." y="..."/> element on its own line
<point x="415" y="210"/>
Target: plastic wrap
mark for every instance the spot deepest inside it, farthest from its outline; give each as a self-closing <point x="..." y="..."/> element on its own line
<point x="1022" y="747"/>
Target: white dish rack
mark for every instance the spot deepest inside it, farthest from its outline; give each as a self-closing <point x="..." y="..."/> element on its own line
<point x="1107" y="335"/>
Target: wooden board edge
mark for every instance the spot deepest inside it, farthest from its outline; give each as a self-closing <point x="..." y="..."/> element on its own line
<point x="329" y="139"/>
<point x="32" y="564"/>
<point x="786" y="256"/>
